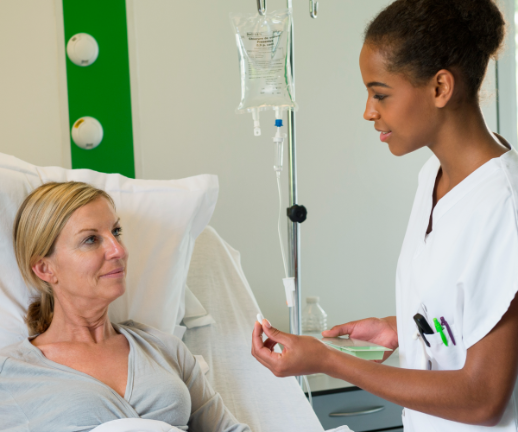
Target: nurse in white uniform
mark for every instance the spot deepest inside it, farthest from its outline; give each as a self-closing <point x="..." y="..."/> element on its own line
<point x="423" y="62"/>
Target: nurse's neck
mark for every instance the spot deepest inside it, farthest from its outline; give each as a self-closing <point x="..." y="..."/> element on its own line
<point x="463" y="144"/>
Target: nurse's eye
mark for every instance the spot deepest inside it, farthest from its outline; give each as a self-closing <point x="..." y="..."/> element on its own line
<point x="380" y="97"/>
<point x="117" y="232"/>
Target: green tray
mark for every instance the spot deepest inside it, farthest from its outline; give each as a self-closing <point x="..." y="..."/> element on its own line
<point x="358" y="348"/>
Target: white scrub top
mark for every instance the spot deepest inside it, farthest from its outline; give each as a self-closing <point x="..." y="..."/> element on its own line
<point x="465" y="270"/>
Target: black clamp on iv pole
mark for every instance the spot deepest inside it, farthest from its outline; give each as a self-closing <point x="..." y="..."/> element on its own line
<point x="297" y="213"/>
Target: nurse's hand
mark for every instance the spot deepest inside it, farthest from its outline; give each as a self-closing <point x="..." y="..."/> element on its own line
<point x="379" y="331"/>
<point x="301" y="355"/>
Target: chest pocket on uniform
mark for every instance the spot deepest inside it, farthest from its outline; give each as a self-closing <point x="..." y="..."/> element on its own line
<point x="442" y="357"/>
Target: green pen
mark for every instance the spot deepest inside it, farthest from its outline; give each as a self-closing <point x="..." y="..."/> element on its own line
<point x="438" y="327"/>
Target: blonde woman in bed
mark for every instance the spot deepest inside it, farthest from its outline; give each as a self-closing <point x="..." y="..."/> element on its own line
<point x="78" y="370"/>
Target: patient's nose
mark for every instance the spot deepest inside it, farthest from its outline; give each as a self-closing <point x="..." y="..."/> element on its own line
<point x="115" y="249"/>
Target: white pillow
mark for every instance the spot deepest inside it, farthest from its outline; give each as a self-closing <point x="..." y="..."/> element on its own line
<point x="161" y="220"/>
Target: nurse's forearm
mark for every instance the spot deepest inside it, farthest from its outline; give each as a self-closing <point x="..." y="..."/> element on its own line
<point x="452" y="395"/>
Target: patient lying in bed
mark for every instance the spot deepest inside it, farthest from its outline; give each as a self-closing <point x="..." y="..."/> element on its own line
<point x="78" y="370"/>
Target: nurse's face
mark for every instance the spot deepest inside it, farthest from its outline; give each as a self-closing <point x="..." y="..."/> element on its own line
<point x="405" y="115"/>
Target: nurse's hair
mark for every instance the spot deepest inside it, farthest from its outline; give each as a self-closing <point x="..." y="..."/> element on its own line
<point x="38" y="223"/>
<point x="421" y="37"/>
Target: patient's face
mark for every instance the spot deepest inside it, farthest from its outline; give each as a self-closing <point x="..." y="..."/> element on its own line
<point x="89" y="260"/>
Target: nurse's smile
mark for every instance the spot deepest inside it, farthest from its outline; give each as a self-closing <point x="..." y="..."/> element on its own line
<point x="384" y="136"/>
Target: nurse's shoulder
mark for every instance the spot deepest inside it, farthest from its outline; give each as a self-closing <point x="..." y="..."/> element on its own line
<point x="509" y="166"/>
<point x="500" y="185"/>
<point x="488" y="201"/>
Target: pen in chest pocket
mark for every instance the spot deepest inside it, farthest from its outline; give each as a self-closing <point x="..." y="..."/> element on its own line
<point x="439" y="329"/>
<point x="448" y="329"/>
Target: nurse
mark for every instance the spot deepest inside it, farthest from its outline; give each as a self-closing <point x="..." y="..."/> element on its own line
<point x="423" y="63"/>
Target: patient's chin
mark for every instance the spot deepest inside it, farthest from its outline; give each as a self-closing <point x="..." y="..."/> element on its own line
<point x="114" y="290"/>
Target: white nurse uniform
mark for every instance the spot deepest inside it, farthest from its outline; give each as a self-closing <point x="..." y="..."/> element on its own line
<point x="465" y="270"/>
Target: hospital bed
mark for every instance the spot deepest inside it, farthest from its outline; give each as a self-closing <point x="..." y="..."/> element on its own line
<point x="214" y="299"/>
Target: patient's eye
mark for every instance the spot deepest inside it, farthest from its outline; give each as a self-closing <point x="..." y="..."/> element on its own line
<point x="117" y="232"/>
<point x="380" y="97"/>
<point x="90" y="240"/>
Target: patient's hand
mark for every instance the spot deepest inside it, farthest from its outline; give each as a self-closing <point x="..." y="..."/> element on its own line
<point x="379" y="331"/>
<point x="302" y="355"/>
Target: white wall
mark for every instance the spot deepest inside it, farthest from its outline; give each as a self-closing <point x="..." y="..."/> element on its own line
<point x="507" y="108"/>
<point x="33" y="98"/>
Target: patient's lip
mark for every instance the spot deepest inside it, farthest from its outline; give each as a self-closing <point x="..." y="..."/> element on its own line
<point x="118" y="272"/>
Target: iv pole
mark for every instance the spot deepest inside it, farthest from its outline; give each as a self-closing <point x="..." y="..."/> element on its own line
<point x="293" y="225"/>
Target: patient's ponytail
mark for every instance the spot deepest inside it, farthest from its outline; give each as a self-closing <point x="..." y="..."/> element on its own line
<point x="40" y="313"/>
<point x="38" y="223"/>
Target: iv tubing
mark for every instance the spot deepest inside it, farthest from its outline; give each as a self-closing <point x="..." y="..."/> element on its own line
<point x="278" y="175"/>
<point x="305" y="378"/>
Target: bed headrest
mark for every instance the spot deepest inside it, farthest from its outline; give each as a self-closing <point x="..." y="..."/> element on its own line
<point x="161" y="220"/>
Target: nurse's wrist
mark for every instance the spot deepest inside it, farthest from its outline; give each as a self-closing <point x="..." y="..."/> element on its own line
<point x="335" y="362"/>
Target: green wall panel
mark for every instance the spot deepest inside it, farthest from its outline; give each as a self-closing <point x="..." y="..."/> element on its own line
<point x="102" y="90"/>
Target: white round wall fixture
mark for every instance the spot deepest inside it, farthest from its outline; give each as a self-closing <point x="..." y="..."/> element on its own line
<point x="87" y="133"/>
<point x="82" y="49"/>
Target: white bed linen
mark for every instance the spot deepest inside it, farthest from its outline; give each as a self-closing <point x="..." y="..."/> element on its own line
<point x="250" y="391"/>
<point x="135" y="425"/>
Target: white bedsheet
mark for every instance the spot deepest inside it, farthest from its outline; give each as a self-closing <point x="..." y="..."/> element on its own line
<point x="250" y="391"/>
<point x="135" y="425"/>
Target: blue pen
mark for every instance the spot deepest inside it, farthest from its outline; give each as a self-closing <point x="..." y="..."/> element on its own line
<point x="445" y="324"/>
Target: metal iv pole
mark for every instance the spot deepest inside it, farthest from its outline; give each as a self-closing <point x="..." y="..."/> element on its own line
<point x="296" y="213"/>
<point x="293" y="227"/>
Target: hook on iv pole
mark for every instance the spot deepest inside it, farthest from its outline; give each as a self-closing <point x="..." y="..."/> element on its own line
<point x="313" y="8"/>
<point x="261" y="7"/>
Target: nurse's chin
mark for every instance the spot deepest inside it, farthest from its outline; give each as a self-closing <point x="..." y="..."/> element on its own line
<point x="400" y="150"/>
<point x="397" y="151"/>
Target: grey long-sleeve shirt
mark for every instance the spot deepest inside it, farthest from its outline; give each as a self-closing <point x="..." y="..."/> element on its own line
<point x="164" y="383"/>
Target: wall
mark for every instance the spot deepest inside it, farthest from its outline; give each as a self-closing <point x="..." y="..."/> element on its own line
<point x="33" y="112"/>
<point x="507" y="113"/>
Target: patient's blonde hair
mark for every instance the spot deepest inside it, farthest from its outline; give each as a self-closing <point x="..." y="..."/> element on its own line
<point x="38" y="223"/>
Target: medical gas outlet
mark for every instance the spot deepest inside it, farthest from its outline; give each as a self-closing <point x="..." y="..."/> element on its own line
<point x="87" y="133"/>
<point x="82" y="49"/>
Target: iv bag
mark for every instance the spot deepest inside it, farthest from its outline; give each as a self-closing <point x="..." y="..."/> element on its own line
<point x="263" y="44"/>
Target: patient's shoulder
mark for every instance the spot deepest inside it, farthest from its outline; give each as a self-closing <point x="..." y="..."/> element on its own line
<point x="17" y="351"/>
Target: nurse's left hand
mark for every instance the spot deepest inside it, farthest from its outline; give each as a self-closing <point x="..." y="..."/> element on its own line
<point x="302" y="355"/>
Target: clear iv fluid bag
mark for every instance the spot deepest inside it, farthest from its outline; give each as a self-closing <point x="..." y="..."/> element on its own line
<point x="263" y="44"/>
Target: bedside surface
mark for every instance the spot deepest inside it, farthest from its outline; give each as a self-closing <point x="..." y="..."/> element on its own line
<point x="323" y="383"/>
